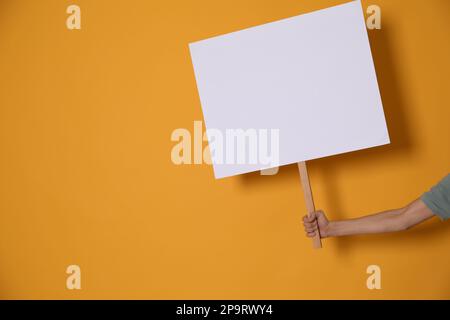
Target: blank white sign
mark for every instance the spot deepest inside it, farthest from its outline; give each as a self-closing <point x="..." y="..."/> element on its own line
<point x="311" y="77"/>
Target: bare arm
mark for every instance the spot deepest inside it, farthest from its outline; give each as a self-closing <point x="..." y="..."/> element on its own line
<point x="386" y="221"/>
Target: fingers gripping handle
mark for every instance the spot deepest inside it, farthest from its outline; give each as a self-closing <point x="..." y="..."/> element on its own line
<point x="317" y="244"/>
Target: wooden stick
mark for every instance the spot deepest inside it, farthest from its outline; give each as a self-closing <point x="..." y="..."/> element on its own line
<point x="317" y="244"/>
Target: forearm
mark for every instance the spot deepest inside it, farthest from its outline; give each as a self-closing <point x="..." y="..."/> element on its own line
<point x="376" y="223"/>
<point x="387" y="221"/>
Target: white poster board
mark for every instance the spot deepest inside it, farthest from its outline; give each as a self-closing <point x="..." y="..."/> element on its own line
<point x="308" y="82"/>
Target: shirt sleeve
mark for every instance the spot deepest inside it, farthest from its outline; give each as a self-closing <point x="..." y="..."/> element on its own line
<point x="438" y="198"/>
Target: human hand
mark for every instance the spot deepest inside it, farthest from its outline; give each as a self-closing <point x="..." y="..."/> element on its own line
<point x="314" y="221"/>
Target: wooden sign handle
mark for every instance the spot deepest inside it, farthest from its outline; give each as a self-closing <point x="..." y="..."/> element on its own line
<point x="317" y="244"/>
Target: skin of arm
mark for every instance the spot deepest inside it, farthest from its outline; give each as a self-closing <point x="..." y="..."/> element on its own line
<point x="386" y="221"/>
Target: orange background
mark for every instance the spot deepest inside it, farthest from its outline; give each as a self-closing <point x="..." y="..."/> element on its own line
<point x="86" y="176"/>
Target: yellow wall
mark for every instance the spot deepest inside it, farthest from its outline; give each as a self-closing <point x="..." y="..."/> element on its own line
<point x="86" y="176"/>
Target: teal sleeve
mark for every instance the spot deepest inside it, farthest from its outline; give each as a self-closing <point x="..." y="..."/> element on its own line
<point x="438" y="198"/>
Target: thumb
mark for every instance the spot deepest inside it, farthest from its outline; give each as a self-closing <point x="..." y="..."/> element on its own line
<point x="314" y="215"/>
<point x="310" y="217"/>
<point x="321" y="216"/>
